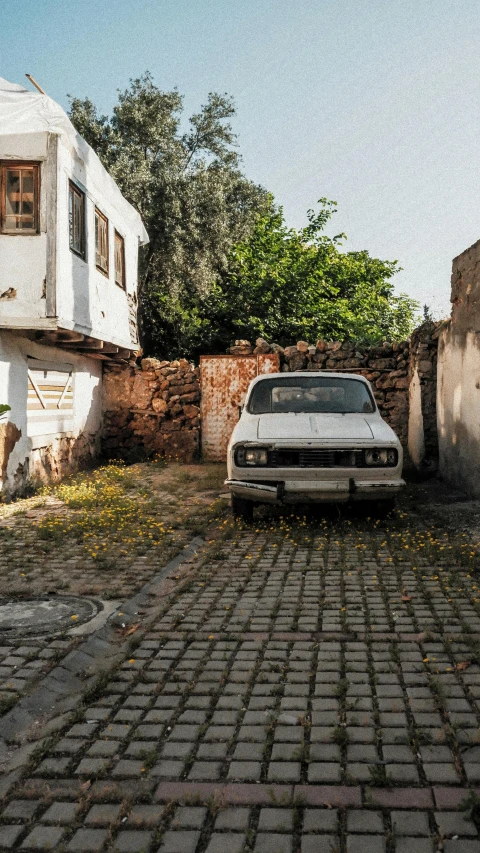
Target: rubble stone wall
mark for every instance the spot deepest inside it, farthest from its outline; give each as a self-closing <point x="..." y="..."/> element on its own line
<point x="155" y="407"/>
<point x="151" y="409"/>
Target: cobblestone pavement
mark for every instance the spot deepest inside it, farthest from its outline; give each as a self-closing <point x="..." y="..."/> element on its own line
<point x="103" y="534"/>
<point x="310" y="686"/>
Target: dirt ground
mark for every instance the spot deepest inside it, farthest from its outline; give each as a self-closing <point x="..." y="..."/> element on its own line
<point x="106" y="531"/>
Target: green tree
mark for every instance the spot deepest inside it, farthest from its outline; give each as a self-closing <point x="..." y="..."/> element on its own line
<point x="192" y="195"/>
<point x="287" y="285"/>
<point x="221" y="263"/>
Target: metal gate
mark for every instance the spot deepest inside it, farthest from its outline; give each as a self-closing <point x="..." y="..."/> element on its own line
<point x="224" y="383"/>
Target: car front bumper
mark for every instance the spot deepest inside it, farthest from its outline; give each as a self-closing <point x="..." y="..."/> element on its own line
<point x="316" y="491"/>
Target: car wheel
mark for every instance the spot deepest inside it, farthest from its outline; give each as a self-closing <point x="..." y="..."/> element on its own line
<point x="242" y="508"/>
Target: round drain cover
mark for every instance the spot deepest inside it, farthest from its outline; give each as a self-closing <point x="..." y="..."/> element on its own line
<point x="44" y="615"/>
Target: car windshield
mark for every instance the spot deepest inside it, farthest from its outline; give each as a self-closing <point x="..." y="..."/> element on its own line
<point x="310" y="394"/>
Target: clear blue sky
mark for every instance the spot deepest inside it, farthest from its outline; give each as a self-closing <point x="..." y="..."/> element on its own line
<point x="373" y="103"/>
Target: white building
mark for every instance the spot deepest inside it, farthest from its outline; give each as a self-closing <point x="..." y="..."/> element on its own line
<point x="69" y="247"/>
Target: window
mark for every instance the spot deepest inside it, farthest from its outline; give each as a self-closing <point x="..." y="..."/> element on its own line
<point x="310" y="394"/>
<point x="19" y="198"/>
<point x="119" y="260"/>
<point x="50" y="397"/>
<point x="76" y="220"/>
<point x="101" y="242"/>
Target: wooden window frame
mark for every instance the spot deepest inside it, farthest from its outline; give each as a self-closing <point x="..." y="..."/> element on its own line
<point x="20" y="164"/>
<point x="73" y="189"/>
<point x="118" y="236"/>
<point x="103" y="270"/>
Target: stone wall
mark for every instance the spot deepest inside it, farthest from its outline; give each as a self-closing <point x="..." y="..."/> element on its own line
<point x="422" y="427"/>
<point x="151" y="409"/>
<point x="154" y="408"/>
<point x="458" y="392"/>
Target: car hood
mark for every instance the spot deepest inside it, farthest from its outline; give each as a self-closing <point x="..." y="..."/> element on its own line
<point x="321" y="426"/>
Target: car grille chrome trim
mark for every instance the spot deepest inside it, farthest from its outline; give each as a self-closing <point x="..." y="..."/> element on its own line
<point x="314" y="458"/>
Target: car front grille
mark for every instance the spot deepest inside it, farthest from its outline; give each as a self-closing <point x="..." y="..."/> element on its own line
<point x="315" y="458"/>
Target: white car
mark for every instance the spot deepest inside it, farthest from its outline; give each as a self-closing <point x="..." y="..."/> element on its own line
<point x="312" y="436"/>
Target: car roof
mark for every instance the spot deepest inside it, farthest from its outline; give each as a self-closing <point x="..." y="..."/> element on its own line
<point x="328" y="374"/>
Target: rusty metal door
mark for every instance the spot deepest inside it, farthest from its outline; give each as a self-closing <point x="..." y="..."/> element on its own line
<point x="224" y="382"/>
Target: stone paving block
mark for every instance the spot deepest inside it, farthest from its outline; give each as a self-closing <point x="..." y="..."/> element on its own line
<point x="364" y="821"/>
<point x="402" y="773"/>
<point x="272" y="842"/>
<point x="102" y="815"/>
<point x="320" y="820"/>
<point x="410" y="823"/>
<point x="189" y="817"/>
<point x="362" y="752"/>
<point x="324" y="771"/>
<point x="275" y="820"/>
<point x="472" y="772"/>
<point x="43" y="838"/>
<point x="104" y="748"/>
<point x="247" y="752"/>
<point x="284" y="771"/>
<point x="52" y="767"/>
<point x="319" y="843"/>
<point x="398" y="753"/>
<point x="397" y="798"/>
<point x="62" y="813"/>
<point x="91" y="766"/>
<point x="231" y="842"/>
<point x="234" y="819"/>
<point x="9" y="835"/>
<point x="176" y="750"/>
<point x="167" y="770"/>
<point x="70" y="745"/>
<point x="442" y="773"/>
<point x="323" y="752"/>
<point x="179" y="841"/>
<point x="359" y="771"/>
<point x="205" y="770"/>
<point x="461" y="846"/>
<point x="132" y="841"/>
<point x="365" y="844"/>
<point x="455" y="823"/>
<point x="244" y="770"/>
<point x="417" y="845"/>
<point x="145" y="815"/>
<point x="21" y="809"/>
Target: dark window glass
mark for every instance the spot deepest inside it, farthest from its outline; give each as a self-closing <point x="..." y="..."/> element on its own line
<point x="101" y="242"/>
<point x="76" y="220"/>
<point x="20" y="202"/>
<point x="119" y="260"/>
<point x="311" y="394"/>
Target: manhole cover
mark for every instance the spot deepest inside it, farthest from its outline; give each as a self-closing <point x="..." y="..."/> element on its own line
<point x="45" y="615"/>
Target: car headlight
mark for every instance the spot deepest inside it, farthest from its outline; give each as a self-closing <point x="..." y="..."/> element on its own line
<point x="381" y="456"/>
<point x="251" y="456"/>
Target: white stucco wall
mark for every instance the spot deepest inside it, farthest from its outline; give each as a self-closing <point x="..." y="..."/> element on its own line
<point x="44" y="284"/>
<point x="87" y="300"/>
<point x="31" y="451"/>
<point x="458" y="408"/>
<point x="23" y="259"/>
<point x="416" y="435"/>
